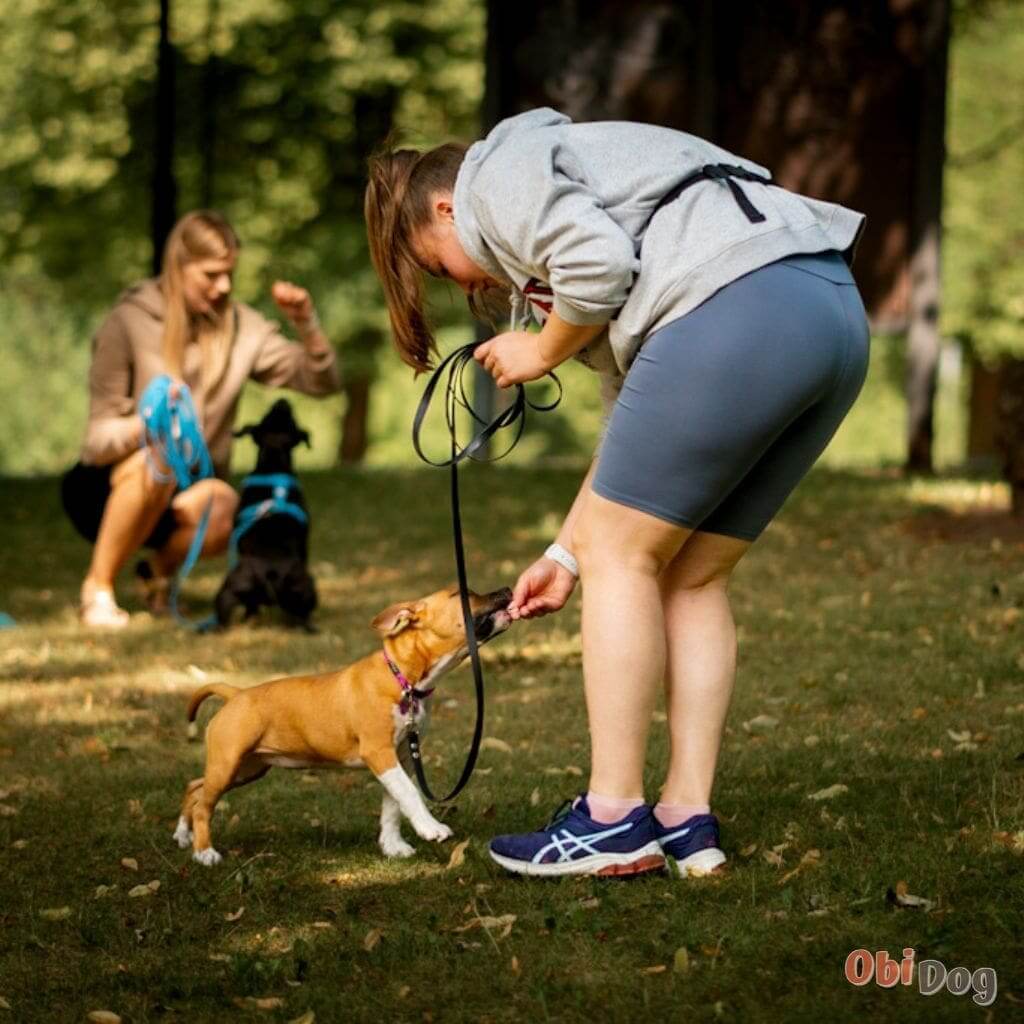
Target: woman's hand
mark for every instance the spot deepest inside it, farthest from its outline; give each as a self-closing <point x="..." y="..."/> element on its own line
<point x="544" y="587"/>
<point x="512" y="358"/>
<point x="294" y="301"/>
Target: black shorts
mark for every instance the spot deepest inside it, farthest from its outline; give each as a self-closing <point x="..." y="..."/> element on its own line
<point x="84" y="491"/>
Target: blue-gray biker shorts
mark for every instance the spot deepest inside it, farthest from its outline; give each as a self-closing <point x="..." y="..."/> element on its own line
<point x="726" y="409"/>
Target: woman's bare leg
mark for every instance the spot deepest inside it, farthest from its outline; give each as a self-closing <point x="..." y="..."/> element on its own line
<point x="188" y="507"/>
<point x="701" y="661"/>
<point x="621" y="552"/>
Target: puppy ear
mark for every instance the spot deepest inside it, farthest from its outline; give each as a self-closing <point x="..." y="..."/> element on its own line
<point x="394" y="619"/>
<point x="304" y="438"/>
<point x="245" y="430"/>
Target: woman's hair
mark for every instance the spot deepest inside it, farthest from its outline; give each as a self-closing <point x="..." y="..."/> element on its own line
<point x="398" y="204"/>
<point x="199" y="235"/>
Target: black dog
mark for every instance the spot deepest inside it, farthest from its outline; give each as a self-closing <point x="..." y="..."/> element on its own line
<point x="271" y="530"/>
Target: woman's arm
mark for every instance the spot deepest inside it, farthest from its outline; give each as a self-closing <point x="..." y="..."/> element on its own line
<point x="519" y="356"/>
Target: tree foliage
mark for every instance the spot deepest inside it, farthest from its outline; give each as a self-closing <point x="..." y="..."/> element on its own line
<point x="983" y="249"/>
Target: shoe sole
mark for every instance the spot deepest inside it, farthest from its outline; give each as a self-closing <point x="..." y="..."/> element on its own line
<point x="606" y="865"/>
<point x="703" y="862"/>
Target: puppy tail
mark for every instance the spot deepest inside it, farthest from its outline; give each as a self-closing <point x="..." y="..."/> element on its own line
<point x="222" y="690"/>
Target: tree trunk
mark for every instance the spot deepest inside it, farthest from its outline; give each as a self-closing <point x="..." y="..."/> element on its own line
<point x="983" y="422"/>
<point x="165" y="192"/>
<point x="923" y="340"/>
<point x="1011" y="430"/>
<point x="354" y="421"/>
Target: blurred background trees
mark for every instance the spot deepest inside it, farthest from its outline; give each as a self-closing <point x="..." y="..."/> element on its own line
<point x="278" y="102"/>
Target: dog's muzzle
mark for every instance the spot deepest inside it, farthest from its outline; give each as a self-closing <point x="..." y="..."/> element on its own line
<point x="494" y="617"/>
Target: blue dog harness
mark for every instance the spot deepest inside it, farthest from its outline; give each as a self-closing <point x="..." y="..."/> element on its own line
<point x="282" y="486"/>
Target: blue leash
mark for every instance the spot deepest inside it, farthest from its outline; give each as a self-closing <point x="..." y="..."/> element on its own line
<point x="172" y="429"/>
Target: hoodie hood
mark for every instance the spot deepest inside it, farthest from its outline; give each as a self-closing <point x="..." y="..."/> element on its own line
<point x="147" y="296"/>
<point x="466" y="226"/>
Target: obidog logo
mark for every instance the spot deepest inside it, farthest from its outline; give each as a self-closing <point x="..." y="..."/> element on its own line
<point x="932" y="975"/>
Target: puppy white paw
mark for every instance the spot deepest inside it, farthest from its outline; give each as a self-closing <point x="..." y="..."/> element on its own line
<point x="183" y="834"/>
<point x="208" y="857"/>
<point x="433" y="830"/>
<point x="396" y="848"/>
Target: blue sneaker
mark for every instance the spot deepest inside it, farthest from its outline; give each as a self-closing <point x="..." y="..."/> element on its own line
<point x="572" y="843"/>
<point x="694" y="845"/>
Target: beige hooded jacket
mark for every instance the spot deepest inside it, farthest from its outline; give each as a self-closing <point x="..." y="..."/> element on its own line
<point x="126" y="356"/>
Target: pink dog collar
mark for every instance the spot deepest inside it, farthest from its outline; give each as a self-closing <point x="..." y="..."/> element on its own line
<point x="411" y="697"/>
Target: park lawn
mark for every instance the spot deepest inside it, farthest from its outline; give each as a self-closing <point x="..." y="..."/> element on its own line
<point x="880" y="624"/>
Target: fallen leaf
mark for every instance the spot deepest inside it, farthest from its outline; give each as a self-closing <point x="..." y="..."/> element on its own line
<point x="236" y="915"/>
<point x="959" y="737"/>
<point x="772" y="857"/>
<point x="829" y="792"/>
<point x="458" y="857"/>
<point x="103" y="1017"/>
<point x="760" y="723"/>
<point x="4" y="1005"/>
<point x="902" y="898"/>
<point x="7" y="811"/>
<point x="146" y="889"/>
<point x="55" y="914"/>
<point x="19" y="844"/>
<point x="811" y="859"/>
<point x="571" y="769"/>
<point x="515" y="965"/>
<point x="535" y="797"/>
<point x="404" y="991"/>
<point x="373" y="937"/>
<point x="103" y="890"/>
<point x="656" y="969"/>
<point x="493" y="743"/>
<point x="681" y="961"/>
<point x="135" y="808"/>
<point x="130" y="863"/>
<point x="264" y="1003"/>
<point x="504" y="923"/>
<point x="307" y="1018"/>
<point x="749" y="851"/>
<point x="197" y="673"/>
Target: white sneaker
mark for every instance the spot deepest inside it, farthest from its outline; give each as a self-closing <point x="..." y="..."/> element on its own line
<point x="100" y="611"/>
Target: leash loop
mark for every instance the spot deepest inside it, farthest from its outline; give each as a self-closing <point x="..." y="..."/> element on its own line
<point x="514" y="416"/>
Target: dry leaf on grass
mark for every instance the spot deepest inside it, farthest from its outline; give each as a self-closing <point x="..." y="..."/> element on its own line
<point x="130" y="863"/>
<point x="829" y="792"/>
<point x="959" y="737"/>
<point x="4" y="1005"/>
<point x="900" y="897"/>
<point x="309" y="1017"/>
<point x="760" y="723"/>
<point x="55" y="914"/>
<point x="458" y="857"/>
<point x="146" y="889"/>
<point x="373" y="937"/>
<point x="515" y="965"/>
<point x="656" y="969"/>
<point x="259" y="1003"/>
<point x="103" y="1017"/>
<point x="6" y="811"/>
<point x="681" y="961"/>
<point x="103" y="890"/>
<point x="493" y="743"/>
<point x="535" y="797"/>
<point x="749" y="851"/>
<point x="811" y="859"/>
<point x="502" y="925"/>
<point x="236" y="915"/>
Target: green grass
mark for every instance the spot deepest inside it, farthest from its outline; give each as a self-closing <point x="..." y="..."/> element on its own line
<point x="876" y="617"/>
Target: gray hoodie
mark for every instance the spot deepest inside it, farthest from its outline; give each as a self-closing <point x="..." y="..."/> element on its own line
<point x="560" y="212"/>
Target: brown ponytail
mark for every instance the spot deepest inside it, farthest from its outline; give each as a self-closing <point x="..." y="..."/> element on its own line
<point x="397" y="204"/>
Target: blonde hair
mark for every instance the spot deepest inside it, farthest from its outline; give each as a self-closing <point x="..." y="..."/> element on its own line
<point x="199" y="235"/>
<point x="398" y="204"/>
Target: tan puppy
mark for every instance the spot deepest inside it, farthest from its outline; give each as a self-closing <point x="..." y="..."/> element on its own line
<point x="351" y="718"/>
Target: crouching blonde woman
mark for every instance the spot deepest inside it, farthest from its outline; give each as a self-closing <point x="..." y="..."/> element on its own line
<point x="183" y="323"/>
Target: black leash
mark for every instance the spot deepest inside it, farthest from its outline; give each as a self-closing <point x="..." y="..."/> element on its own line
<point x="456" y="397"/>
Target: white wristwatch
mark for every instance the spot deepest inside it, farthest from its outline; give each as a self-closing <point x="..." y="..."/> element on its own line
<point x="563" y="557"/>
